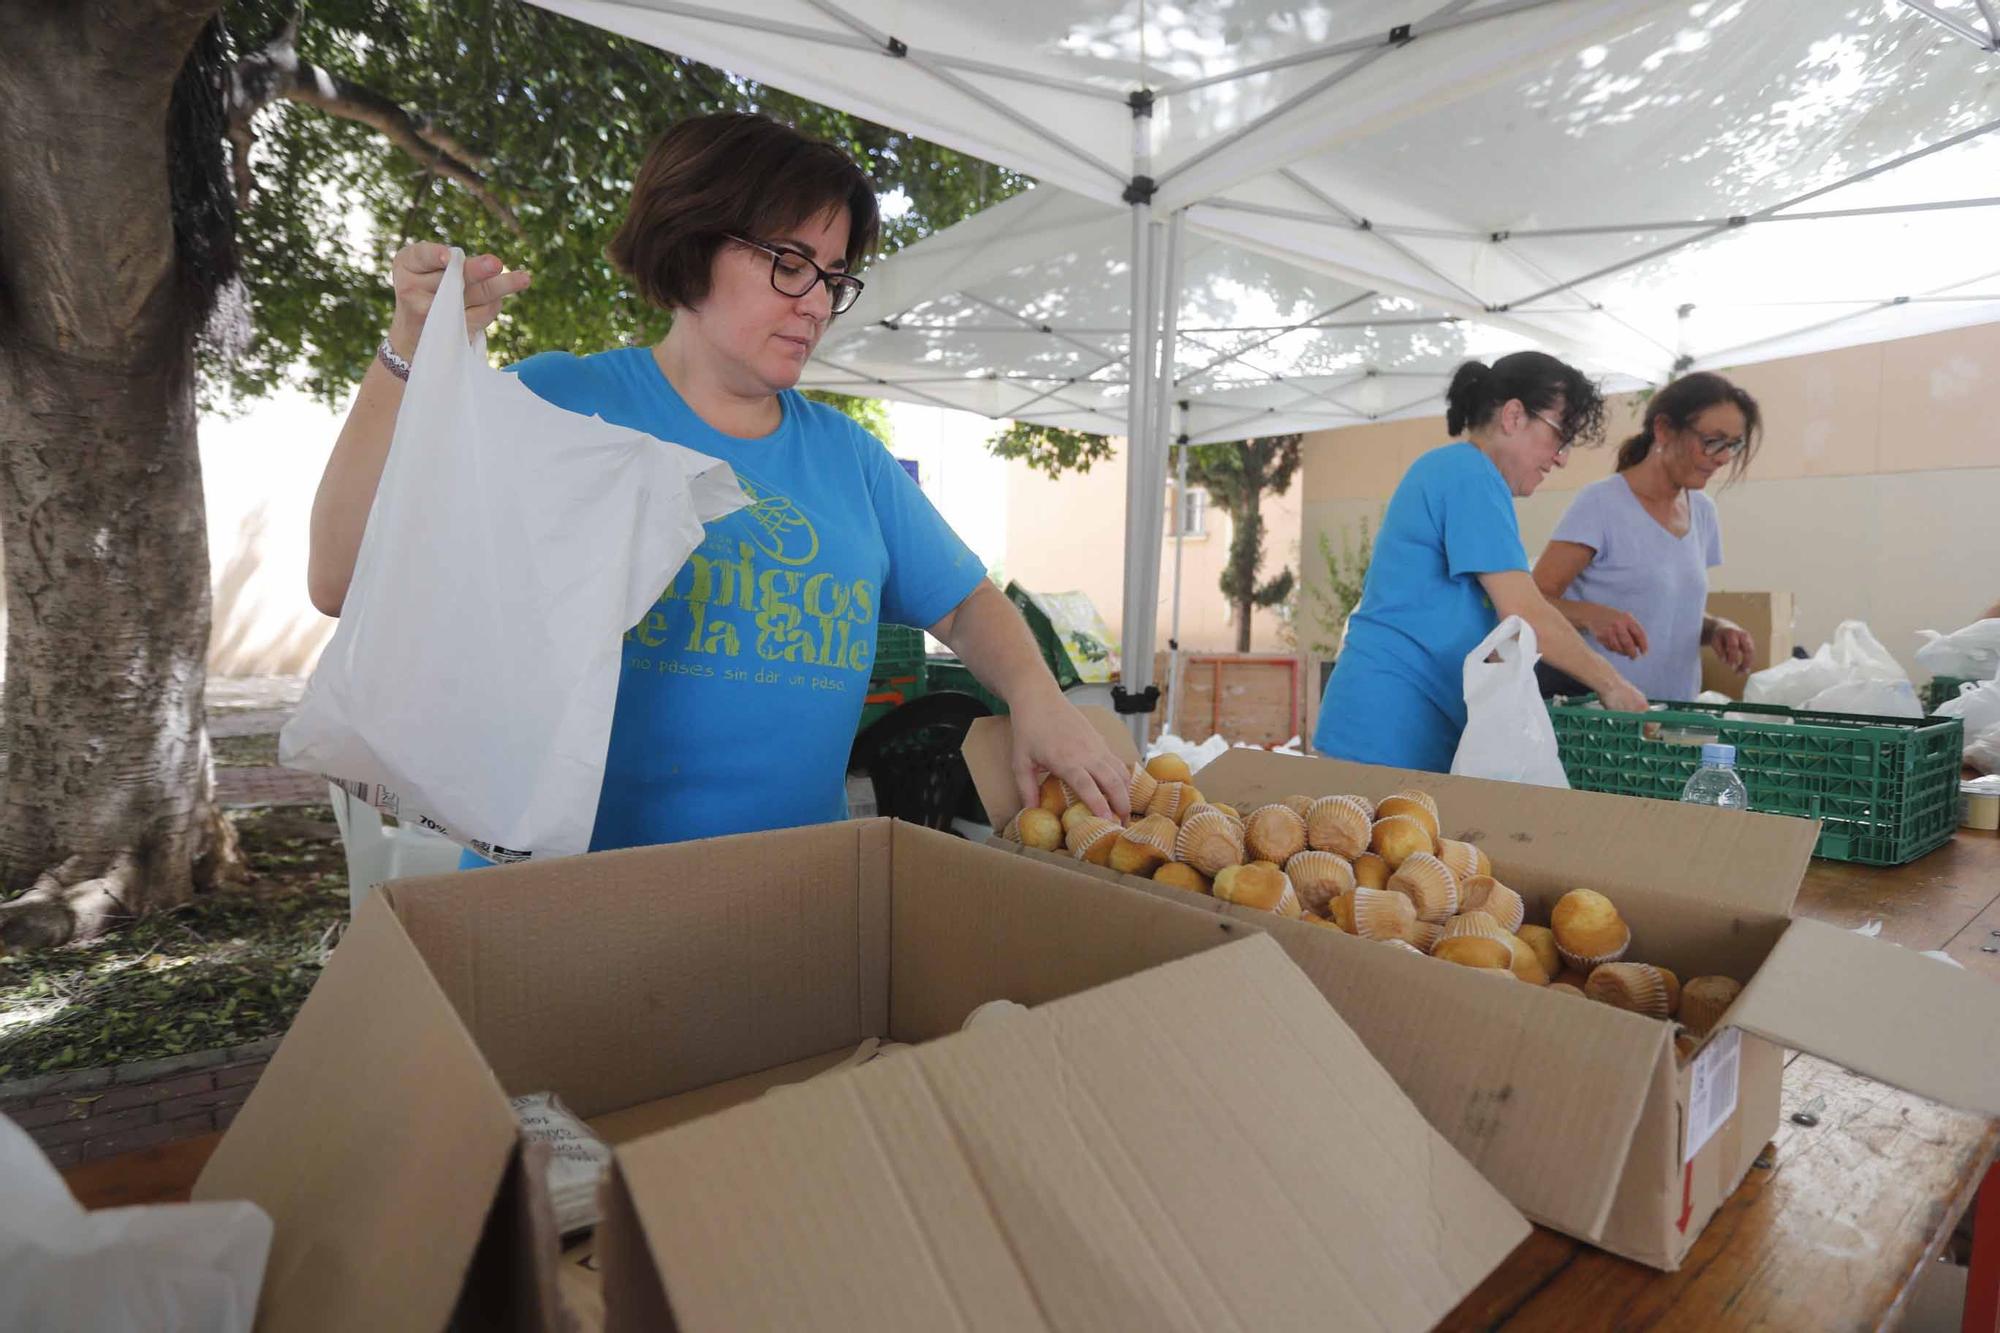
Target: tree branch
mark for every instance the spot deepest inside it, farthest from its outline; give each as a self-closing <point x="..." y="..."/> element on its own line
<point x="276" y="73"/>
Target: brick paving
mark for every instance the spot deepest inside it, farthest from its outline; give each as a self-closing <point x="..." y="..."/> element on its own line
<point x="268" y="786"/>
<point x="86" y="1114"/>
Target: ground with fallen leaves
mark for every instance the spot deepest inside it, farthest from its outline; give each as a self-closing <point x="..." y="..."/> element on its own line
<point x="229" y="968"/>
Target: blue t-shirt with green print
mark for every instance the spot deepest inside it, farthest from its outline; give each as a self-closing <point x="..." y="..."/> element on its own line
<point x="1397" y="695"/>
<point x="741" y="689"/>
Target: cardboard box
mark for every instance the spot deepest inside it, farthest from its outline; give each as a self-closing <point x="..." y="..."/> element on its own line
<point x="1579" y="1112"/>
<point x="1768" y="617"/>
<point x="1182" y="1135"/>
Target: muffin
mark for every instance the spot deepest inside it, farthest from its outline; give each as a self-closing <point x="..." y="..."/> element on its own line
<point x="1319" y="878"/>
<point x="1704" y="1000"/>
<point x="1338" y="824"/>
<point x="1145" y="847"/>
<point x="1397" y="838"/>
<point x="1411" y="805"/>
<point x="1383" y="914"/>
<point x="1274" y="833"/>
<point x="1637" y="987"/>
<point x="1474" y="951"/>
<point x="1181" y="877"/>
<point x="1209" y="842"/>
<point x="1543" y="941"/>
<point x="1041" y="829"/>
<point x="1371" y="871"/>
<point x="1589" y="932"/>
<point x="1093" y="840"/>
<point x="1261" y="887"/>
<point x="1483" y="893"/>
<point x="1429" y="885"/>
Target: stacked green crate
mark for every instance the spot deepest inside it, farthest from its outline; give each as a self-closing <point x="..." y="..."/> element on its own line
<point x="948" y="673"/>
<point x="900" y="672"/>
<point x="1942" y="689"/>
<point x="1885" y="789"/>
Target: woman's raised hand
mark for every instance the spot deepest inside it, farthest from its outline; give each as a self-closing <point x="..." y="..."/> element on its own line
<point x="415" y="275"/>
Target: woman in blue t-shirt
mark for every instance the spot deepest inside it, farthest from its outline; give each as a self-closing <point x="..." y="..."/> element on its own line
<point x="1628" y="564"/>
<point x="740" y="691"/>
<point x="1448" y="565"/>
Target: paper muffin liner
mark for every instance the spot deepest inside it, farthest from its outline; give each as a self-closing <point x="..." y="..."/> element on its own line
<point x="1586" y="963"/>
<point x="1639" y="985"/>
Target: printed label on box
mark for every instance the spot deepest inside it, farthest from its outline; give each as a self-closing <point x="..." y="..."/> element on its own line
<point x="1712" y="1094"/>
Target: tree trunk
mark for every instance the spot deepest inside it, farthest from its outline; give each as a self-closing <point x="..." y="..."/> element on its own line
<point x="109" y="806"/>
<point x="1245" y="545"/>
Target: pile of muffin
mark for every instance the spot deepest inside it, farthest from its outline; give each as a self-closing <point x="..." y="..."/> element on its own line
<point x="1378" y="870"/>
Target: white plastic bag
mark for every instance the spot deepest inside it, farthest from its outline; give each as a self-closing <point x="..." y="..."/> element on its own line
<point x="470" y="685"/>
<point x="1972" y="652"/>
<point x="1979" y="706"/>
<point x="166" y="1268"/>
<point x="1983" y="751"/>
<point x="1880" y="698"/>
<point x="1854" y="657"/>
<point x="1793" y="681"/>
<point x="1857" y="649"/>
<point x="1508" y="735"/>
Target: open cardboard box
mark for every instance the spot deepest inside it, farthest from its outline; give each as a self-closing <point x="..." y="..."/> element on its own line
<point x="1768" y="618"/>
<point x="1581" y="1113"/>
<point x="1181" y="1134"/>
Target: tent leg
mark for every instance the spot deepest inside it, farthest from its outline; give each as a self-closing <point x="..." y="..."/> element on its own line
<point x="1180" y="536"/>
<point x="1137" y="630"/>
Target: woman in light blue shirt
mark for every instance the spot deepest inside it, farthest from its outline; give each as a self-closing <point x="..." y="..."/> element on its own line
<point x="1629" y="561"/>
<point x="1449" y="564"/>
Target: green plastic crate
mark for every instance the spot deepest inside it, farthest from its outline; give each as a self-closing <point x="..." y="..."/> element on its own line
<point x="1942" y="689"/>
<point x="948" y="673"/>
<point x="900" y="674"/>
<point x="1885" y="789"/>
<point x="899" y="654"/>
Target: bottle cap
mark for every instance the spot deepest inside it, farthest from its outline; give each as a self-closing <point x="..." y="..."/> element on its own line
<point x="1722" y="755"/>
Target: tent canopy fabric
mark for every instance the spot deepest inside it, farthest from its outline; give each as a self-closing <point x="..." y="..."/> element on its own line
<point x="1024" y="312"/>
<point x="1701" y="163"/>
<point x="1287" y="195"/>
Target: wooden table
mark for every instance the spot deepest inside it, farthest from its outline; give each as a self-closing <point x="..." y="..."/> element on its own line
<point x="1829" y="1231"/>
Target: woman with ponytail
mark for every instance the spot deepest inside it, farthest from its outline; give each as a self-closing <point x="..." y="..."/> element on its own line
<point x="1449" y="564"/>
<point x="1629" y="561"/>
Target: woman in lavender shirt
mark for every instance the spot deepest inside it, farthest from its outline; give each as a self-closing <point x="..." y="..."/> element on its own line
<point x="1628" y="564"/>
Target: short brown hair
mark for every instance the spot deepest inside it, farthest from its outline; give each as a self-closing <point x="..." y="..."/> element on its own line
<point x="709" y="177"/>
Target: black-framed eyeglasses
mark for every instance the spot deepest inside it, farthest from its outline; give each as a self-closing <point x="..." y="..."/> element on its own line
<point x="792" y="274"/>
<point x="1722" y="446"/>
<point x="1563" y="442"/>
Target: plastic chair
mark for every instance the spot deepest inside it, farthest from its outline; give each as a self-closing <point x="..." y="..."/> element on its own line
<point x="912" y="756"/>
<point x="377" y="852"/>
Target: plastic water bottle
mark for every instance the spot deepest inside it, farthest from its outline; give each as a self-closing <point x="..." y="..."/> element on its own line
<point x="1715" y="782"/>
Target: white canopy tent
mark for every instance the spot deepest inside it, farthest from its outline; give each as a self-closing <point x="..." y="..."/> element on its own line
<point x="1024" y="312"/>
<point x="1329" y="189"/>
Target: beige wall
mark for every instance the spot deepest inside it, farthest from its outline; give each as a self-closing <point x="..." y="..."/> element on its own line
<point x="1876" y="493"/>
<point x="1068" y="534"/>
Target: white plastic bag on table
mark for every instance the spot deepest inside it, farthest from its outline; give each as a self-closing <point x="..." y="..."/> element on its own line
<point x="1857" y="649"/>
<point x="1880" y="698"/>
<point x="1972" y="652"/>
<point x="1793" y="681"/>
<point x="470" y="684"/>
<point x="166" y="1268"/>
<point x="1983" y="751"/>
<point x="1508" y="735"/>
<point x="1979" y="705"/>
<point x="1854" y="656"/>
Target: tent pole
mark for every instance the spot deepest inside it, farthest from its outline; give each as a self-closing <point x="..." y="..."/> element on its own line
<point x="1180" y="537"/>
<point x="1164" y="422"/>
<point x="1140" y="605"/>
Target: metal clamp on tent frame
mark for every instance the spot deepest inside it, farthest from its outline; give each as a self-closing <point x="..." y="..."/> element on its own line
<point x="1124" y="702"/>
